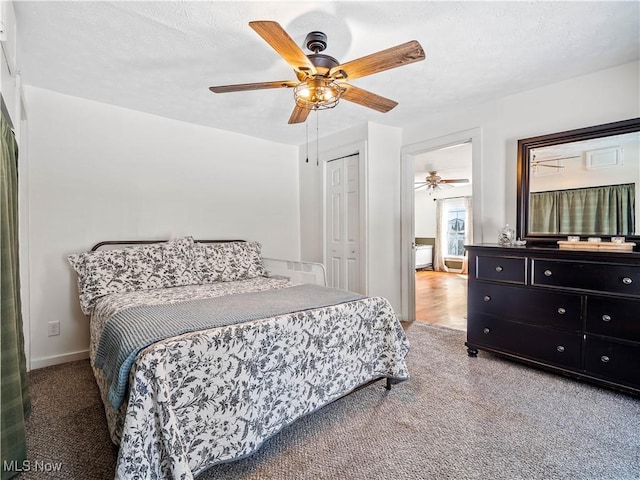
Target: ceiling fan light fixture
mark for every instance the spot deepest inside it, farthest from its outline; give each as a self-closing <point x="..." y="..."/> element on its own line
<point x="432" y="188"/>
<point x="317" y="93"/>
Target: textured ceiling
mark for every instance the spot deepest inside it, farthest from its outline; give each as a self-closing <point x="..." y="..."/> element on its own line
<point x="161" y="57"/>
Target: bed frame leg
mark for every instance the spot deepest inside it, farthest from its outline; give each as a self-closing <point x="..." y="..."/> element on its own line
<point x="388" y="386"/>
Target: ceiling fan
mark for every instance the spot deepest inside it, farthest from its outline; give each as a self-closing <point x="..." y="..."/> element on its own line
<point x="321" y="79"/>
<point x="434" y="182"/>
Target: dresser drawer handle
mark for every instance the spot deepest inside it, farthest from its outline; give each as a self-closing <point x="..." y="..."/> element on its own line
<point x="604" y="359"/>
<point x="562" y="311"/>
<point x="548" y="273"/>
<point x="487" y="298"/>
<point x="606" y="318"/>
<point x="560" y="348"/>
<point x="627" y="281"/>
<point x="499" y="269"/>
<point x="486" y="330"/>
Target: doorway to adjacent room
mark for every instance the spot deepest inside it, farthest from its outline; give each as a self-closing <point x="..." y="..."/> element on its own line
<point x="441" y="180"/>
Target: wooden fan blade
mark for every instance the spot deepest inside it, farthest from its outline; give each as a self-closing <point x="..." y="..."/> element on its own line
<point x="283" y="44"/>
<point x="455" y="180"/>
<point x="384" y="60"/>
<point x="366" y="98"/>
<point x="299" y="115"/>
<point x="252" y="86"/>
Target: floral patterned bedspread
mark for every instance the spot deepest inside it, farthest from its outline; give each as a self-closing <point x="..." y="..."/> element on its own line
<point x="216" y="395"/>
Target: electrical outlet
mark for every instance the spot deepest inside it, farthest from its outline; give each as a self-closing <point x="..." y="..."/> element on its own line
<point x="54" y="328"/>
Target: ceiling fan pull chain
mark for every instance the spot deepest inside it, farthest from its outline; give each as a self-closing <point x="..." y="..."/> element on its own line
<point x="317" y="140"/>
<point x="306" y="128"/>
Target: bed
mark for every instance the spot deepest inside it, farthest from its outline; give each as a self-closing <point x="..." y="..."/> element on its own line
<point x="201" y="354"/>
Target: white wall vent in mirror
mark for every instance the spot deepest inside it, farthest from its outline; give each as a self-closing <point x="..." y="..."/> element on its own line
<point x="604" y="157"/>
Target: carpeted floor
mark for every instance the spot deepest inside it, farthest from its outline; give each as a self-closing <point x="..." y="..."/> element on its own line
<point x="457" y="418"/>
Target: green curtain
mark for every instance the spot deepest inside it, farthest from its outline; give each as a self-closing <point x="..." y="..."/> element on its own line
<point x="543" y="212"/>
<point x="606" y="210"/>
<point x="15" y="398"/>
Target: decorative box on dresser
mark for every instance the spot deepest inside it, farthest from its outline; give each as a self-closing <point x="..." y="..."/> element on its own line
<point x="572" y="312"/>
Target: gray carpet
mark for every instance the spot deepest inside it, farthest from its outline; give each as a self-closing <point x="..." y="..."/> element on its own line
<point x="457" y="418"/>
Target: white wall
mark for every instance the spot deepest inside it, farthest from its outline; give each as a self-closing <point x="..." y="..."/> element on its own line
<point x="383" y="156"/>
<point x="99" y="172"/>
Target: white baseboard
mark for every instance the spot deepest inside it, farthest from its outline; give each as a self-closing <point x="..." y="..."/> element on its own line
<point x="58" y="359"/>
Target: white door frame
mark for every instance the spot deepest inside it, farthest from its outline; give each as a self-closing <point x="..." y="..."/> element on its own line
<point x="359" y="148"/>
<point x="22" y="135"/>
<point x="407" y="205"/>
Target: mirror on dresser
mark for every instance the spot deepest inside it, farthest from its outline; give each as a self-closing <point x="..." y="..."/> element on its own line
<point x="583" y="182"/>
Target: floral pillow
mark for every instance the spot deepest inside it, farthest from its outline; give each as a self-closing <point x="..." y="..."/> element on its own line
<point x="159" y="265"/>
<point x="228" y="261"/>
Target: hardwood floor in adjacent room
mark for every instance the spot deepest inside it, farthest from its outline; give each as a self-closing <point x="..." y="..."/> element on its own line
<point x="441" y="299"/>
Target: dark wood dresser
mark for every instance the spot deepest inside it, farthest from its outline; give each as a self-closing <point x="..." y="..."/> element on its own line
<point x="572" y="312"/>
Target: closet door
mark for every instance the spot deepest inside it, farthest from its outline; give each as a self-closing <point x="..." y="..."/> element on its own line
<point x="343" y="223"/>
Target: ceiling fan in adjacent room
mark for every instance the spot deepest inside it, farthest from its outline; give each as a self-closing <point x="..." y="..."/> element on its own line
<point x="434" y="182"/>
<point x="322" y="80"/>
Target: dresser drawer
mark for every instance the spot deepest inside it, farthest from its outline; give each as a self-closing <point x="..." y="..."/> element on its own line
<point x="623" y="279"/>
<point x="546" y="345"/>
<point x="540" y="307"/>
<point x="501" y="269"/>
<point x="614" y="361"/>
<point x="614" y="318"/>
